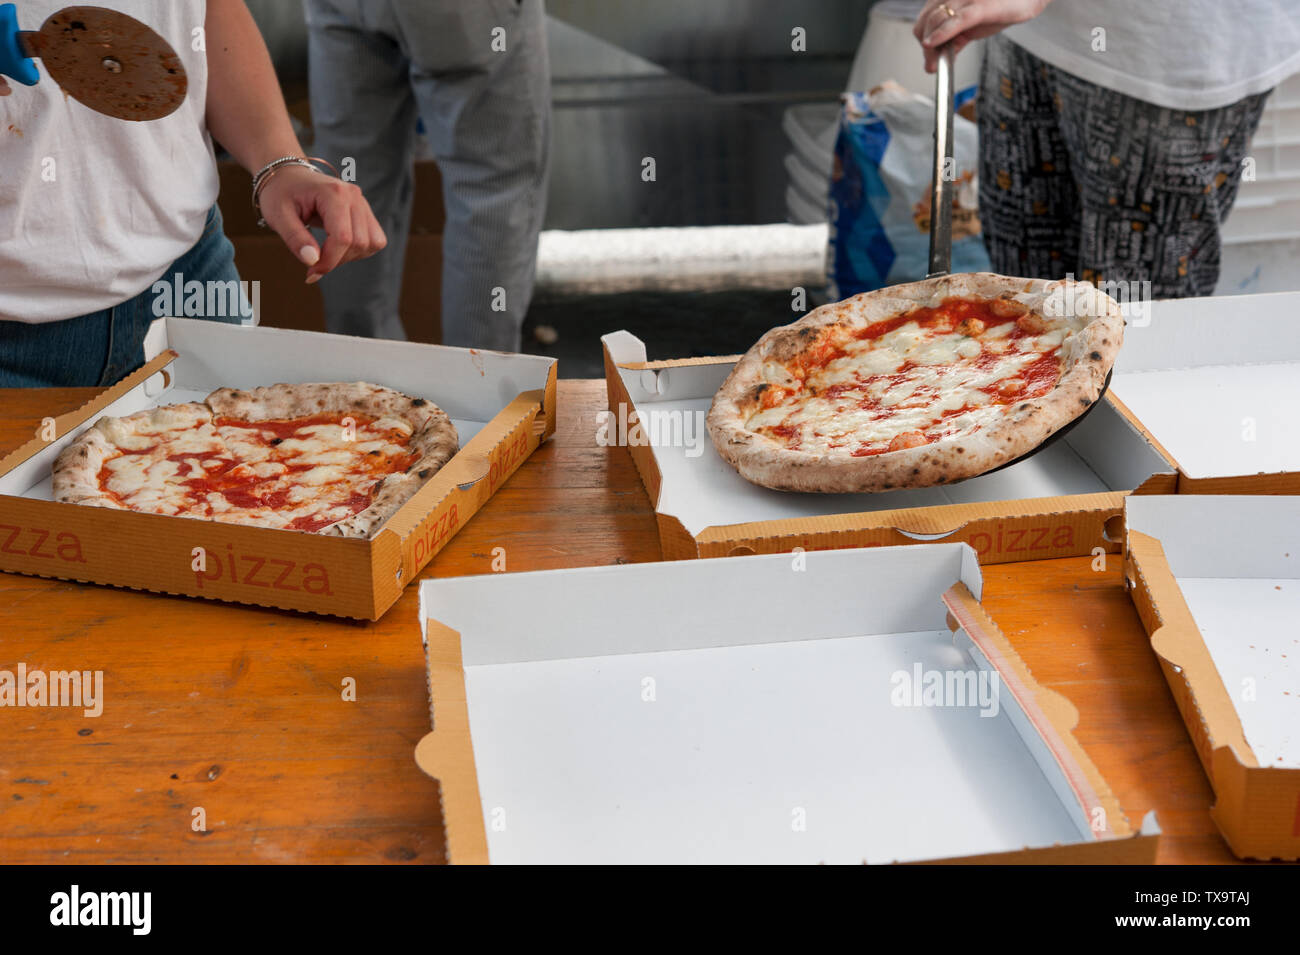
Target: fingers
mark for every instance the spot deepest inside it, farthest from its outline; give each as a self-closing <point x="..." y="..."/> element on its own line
<point x="282" y="216"/>
<point x="360" y="247"/>
<point x="296" y="201"/>
<point x="941" y="26"/>
<point x="367" y="235"/>
<point x="4" y="87"/>
<point x="940" y="21"/>
<point x="956" y="45"/>
<point x="335" y="212"/>
<point x="919" y="28"/>
<point x="378" y="240"/>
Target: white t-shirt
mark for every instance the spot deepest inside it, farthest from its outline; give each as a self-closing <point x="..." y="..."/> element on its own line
<point x="94" y="209"/>
<point x="1183" y="54"/>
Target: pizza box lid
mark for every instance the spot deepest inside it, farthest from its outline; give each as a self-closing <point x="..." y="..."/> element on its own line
<point x="1216" y="580"/>
<point x="1213" y="382"/>
<point x="759" y="709"/>
<point x="502" y="405"/>
<point x="1068" y="490"/>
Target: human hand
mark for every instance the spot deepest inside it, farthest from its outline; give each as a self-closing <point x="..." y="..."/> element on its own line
<point x="957" y="22"/>
<point x="296" y="197"/>
<point x="4" y="87"/>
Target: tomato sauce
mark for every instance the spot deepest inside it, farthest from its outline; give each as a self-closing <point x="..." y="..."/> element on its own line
<point x="289" y="428"/>
<point x="1039" y="376"/>
<point x="205" y="473"/>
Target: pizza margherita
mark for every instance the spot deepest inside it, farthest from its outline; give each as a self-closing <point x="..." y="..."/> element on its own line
<point x="334" y="458"/>
<point x="916" y="385"/>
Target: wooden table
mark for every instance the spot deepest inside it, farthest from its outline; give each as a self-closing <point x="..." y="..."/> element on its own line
<point x="239" y="712"/>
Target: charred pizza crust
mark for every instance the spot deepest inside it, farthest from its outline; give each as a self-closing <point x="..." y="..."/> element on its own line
<point x="1087" y="355"/>
<point x="433" y="439"/>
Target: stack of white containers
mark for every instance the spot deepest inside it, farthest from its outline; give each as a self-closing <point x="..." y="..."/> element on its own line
<point x="888" y="51"/>
<point x="1261" y="240"/>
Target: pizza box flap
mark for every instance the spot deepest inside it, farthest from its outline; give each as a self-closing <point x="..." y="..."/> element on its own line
<point x="597" y="714"/>
<point x="467" y="383"/>
<point x="1216" y="580"/>
<point x="1212" y="380"/>
<point x="71" y="419"/>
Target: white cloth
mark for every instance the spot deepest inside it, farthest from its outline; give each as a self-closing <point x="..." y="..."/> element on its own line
<point x="94" y="209"/>
<point x="1182" y="54"/>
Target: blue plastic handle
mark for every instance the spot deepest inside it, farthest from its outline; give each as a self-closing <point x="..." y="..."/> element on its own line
<point x="13" y="62"/>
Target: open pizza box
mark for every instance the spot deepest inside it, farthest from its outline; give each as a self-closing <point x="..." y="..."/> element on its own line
<point x="503" y="407"/>
<point x="1216" y="581"/>
<point x="1215" y="384"/>
<point x="840" y="706"/>
<point x="1064" y="501"/>
<point x="1203" y="400"/>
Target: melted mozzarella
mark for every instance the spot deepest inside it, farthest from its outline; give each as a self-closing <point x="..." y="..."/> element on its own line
<point x="315" y="474"/>
<point x="863" y="400"/>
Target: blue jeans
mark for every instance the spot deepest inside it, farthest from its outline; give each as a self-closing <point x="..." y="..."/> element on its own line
<point x="100" y="348"/>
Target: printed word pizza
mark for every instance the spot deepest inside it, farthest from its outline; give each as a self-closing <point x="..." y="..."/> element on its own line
<point x="916" y="385"/>
<point x="332" y="458"/>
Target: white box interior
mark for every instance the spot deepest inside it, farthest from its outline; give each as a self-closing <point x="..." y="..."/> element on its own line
<point x="1215" y="382"/>
<point x="471" y="386"/>
<point x="1102" y="453"/>
<point x="1237" y="562"/>
<point x="772" y="703"/>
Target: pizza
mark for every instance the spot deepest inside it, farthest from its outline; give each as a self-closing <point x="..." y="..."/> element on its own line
<point x="332" y="458"/>
<point x="916" y="385"/>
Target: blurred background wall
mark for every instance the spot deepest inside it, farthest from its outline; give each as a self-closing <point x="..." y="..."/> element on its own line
<point x="699" y="86"/>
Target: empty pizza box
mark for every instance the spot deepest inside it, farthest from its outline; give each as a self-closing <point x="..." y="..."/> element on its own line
<point x="841" y="706"/>
<point x="1215" y="383"/>
<point x="503" y="407"/>
<point x="1216" y="581"/>
<point x="1170" y="423"/>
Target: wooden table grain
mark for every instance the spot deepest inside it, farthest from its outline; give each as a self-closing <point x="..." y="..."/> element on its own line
<point x="226" y="738"/>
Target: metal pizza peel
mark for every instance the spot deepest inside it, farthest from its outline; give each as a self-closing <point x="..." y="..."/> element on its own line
<point x="941" y="221"/>
<point x="105" y="60"/>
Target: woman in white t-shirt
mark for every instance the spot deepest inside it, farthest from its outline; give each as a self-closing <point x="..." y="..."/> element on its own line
<point x="1114" y="133"/>
<point x="99" y="217"/>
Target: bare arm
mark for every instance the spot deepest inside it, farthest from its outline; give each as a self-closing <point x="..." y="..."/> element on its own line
<point x="246" y="114"/>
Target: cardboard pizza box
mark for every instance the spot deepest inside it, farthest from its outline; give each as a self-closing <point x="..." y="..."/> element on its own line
<point x="503" y="407"/>
<point x="1067" y="500"/>
<point x="839" y="706"/>
<point x="1216" y="581"/>
<point x="1213" y="383"/>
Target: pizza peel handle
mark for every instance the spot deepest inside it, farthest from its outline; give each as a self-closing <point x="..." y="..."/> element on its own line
<point x="944" y="172"/>
<point x="14" y="61"/>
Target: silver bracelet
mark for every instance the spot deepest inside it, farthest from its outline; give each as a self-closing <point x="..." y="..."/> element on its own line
<point x="270" y="167"/>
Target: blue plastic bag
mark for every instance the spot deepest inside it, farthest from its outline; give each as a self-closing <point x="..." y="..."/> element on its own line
<point x="880" y="192"/>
